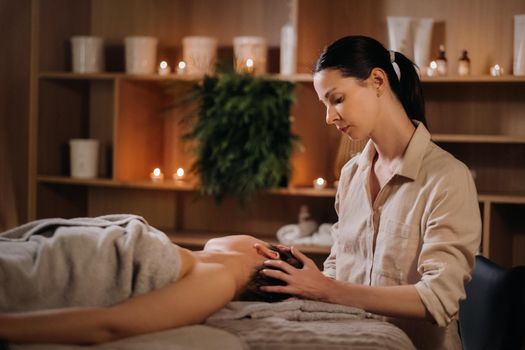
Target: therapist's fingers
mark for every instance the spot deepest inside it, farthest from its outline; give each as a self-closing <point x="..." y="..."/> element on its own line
<point x="278" y="274"/>
<point x="283" y="265"/>
<point x="281" y="289"/>
<point x="263" y="250"/>
<point x="301" y="257"/>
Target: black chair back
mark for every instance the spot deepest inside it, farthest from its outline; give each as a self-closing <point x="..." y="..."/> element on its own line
<point x="492" y="316"/>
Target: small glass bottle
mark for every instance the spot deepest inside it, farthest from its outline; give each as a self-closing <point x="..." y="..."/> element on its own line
<point x="464" y="64"/>
<point x="441" y="61"/>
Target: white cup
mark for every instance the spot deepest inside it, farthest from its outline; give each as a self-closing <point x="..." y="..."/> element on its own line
<point x="200" y="54"/>
<point x="246" y="48"/>
<point x="84" y="158"/>
<point x="141" y="54"/>
<point x="87" y="54"/>
<point x="519" y="45"/>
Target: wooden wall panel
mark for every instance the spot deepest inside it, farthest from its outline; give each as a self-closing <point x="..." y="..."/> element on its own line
<point x="59" y="21"/>
<point x="157" y="207"/>
<point x="139" y="130"/>
<point x="60" y="122"/>
<point x="262" y="217"/>
<point x="15" y="46"/>
<point x="101" y="108"/>
<point x="319" y="141"/>
<point x="483" y="27"/>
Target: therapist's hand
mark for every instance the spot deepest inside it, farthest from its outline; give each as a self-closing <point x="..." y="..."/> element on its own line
<point x="307" y="282"/>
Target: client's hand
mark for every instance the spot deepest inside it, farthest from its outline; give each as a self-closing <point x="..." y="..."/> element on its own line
<point x="308" y="282"/>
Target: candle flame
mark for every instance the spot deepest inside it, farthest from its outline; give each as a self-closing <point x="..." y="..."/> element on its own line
<point x="156" y="172"/>
<point x="182" y="65"/>
<point x="249" y="63"/>
<point x="433" y="65"/>
<point x="320" y="181"/>
<point x="180" y="172"/>
<point x="497" y="67"/>
<point x="163" y="65"/>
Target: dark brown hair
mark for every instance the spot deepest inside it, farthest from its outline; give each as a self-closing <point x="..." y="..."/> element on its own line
<point x="252" y="292"/>
<point x="356" y="56"/>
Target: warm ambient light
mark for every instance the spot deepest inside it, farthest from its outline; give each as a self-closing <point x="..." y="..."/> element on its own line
<point x="496" y="70"/>
<point x="156" y="175"/>
<point x="164" y="68"/>
<point x="179" y="175"/>
<point x="181" y="67"/>
<point x="249" y="66"/>
<point x="432" y="70"/>
<point x="319" y="183"/>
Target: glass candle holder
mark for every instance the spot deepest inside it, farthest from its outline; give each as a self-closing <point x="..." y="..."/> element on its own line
<point x="250" y="54"/>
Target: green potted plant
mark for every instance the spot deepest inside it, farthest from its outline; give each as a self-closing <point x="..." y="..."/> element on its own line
<point x="242" y="135"/>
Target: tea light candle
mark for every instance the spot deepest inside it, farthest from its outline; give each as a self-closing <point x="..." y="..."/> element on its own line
<point x="181" y="67"/>
<point x="156" y="175"/>
<point x="164" y="68"/>
<point x="432" y="69"/>
<point x="319" y="183"/>
<point x="496" y="70"/>
<point x="250" y="66"/>
<point x="179" y="175"/>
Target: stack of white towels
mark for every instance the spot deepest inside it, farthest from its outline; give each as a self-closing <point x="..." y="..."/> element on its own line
<point x="306" y="232"/>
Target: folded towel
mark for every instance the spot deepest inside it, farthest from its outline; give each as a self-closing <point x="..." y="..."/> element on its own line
<point x="100" y="261"/>
<point x="306" y="324"/>
<point x="290" y="235"/>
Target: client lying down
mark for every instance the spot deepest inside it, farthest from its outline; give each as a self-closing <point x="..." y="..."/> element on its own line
<point x="94" y="280"/>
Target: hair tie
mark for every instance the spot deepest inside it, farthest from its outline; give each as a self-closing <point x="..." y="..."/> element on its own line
<point x="394" y="64"/>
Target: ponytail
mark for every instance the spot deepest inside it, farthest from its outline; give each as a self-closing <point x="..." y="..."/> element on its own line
<point x="356" y="56"/>
<point x="408" y="89"/>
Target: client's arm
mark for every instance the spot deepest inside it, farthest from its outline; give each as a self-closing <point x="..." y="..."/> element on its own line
<point x="204" y="290"/>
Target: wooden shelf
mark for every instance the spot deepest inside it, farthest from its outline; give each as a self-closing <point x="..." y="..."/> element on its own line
<point x="116" y="75"/>
<point x="475" y="79"/>
<point x="172" y="185"/>
<point x="291" y="191"/>
<point x="196" y="240"/>
<point x="503" y="198"/>
<point x="469" y="138"/>
<point x="99" y="182"/>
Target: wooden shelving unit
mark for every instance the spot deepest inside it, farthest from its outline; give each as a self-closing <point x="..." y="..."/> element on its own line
<point x="479" y="119"/>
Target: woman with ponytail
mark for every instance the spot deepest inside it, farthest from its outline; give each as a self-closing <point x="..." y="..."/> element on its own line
<point x="409" y="222"/>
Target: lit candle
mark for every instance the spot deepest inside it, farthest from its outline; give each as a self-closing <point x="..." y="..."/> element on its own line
<point x="432" y="69"/>
<point x="181" y="67"/>
<point x="156" y="175"/>
<point x="250" y="66"/>
<point x="179" y="175"/>
<point x="319" y="183"/>
<point x="496" y="70"/>
<point x="164" y="68"/>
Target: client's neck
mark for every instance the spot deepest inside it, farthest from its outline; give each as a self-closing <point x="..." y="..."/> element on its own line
<point x="239" y="264"/>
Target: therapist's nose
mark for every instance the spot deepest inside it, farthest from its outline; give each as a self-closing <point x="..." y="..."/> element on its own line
<point x="331" y="115"/>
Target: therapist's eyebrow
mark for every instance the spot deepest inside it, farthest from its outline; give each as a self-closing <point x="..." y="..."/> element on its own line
<point x="329" y="92"/>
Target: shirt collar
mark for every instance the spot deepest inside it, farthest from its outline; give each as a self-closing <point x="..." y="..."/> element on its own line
<point x="410" y="164"/>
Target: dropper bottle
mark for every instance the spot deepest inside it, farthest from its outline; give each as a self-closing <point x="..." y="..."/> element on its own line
<point x="464" y="64"/>
<point x="441" y="61"/>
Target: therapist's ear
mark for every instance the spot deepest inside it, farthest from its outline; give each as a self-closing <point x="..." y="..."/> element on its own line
<point x="378" y="79"/>
<point x="265" y="251"/>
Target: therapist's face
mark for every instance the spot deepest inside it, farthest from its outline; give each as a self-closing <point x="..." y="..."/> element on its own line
<point x="352" y="105"/>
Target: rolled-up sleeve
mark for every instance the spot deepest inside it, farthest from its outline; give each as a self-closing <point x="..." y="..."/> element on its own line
<point x="330" y="262"/>
<point x="451" y="237"/>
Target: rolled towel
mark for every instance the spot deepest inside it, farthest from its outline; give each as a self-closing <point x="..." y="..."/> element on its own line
<point x="288" y="234"/>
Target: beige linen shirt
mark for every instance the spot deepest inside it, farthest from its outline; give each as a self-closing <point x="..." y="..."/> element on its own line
<point x="423" y="229"/>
